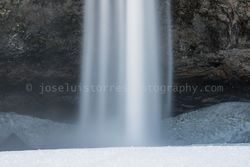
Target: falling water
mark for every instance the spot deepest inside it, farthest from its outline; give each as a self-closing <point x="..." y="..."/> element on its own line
<point x="170" y="61"/>
<point x="120" y="69"/>
<point x="143" y="104"/>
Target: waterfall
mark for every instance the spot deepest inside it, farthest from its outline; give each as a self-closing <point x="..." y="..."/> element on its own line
<point x="120" y="69"/>
<point x="143" y="112"/>
<point x="170" y="61"/>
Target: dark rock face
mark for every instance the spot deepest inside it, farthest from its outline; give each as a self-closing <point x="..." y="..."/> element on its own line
<point x="211" y="47"/>
<point x="40" y="43"/>
<point x="40" y="40"/>
<point x="210" y="34"/>
<point x="225" y="65"/>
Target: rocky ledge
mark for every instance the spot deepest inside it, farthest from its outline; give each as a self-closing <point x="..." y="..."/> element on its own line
<point x="225" y="65"/>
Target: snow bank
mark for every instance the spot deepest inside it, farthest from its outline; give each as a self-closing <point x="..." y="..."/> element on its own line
<point x="223" y="156"/>
<point x="222" y="123"/>
<point x="33" y="131"/>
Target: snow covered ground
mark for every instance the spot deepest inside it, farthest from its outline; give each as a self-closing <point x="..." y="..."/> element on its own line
<point x="219" y="156"/>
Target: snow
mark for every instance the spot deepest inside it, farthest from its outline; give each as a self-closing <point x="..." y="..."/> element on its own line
<point x="222" y="123"/>
<point x="33" y="131"/>
<point x="195" y="156"/>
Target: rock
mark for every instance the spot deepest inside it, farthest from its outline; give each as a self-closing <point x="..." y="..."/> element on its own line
<point x="239" y="63"/>
<point x="211" y="40"/>
<point x="225" y="65"/>
<point x="40" y="43"/>
<point x="39" y="50"/>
